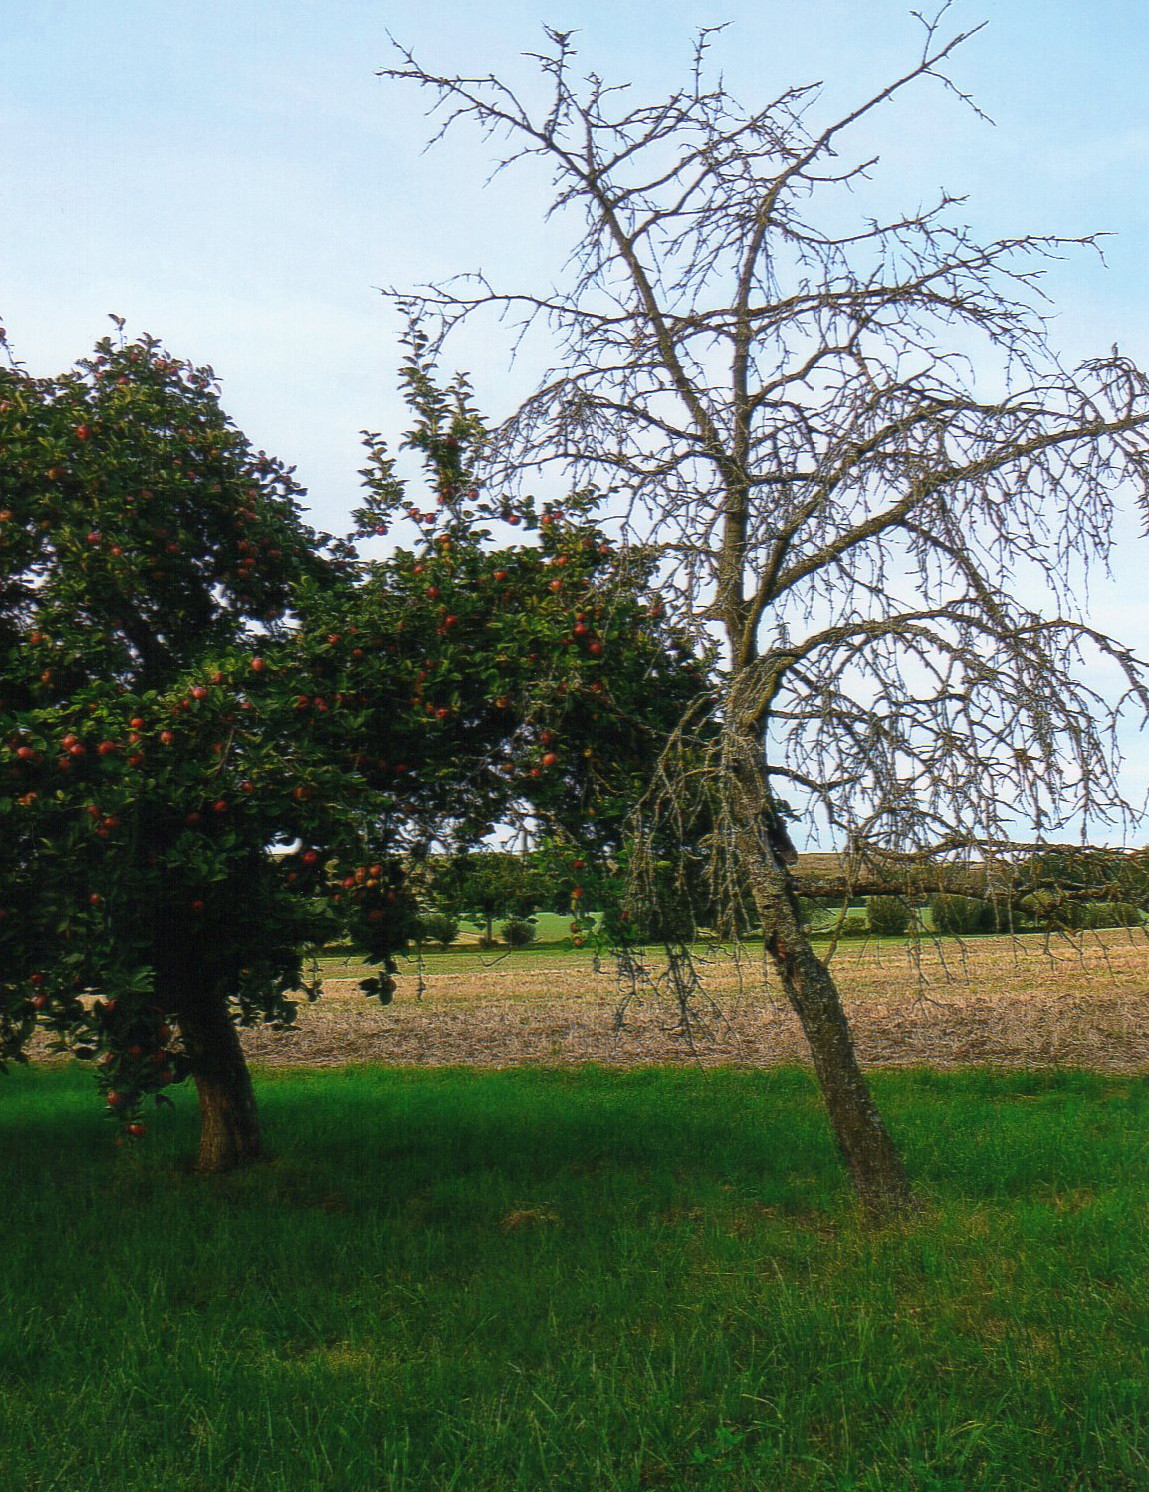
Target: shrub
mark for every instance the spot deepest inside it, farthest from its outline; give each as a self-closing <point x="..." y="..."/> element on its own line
<point x="1047" y="909"/>
<point x="815" y="912"/>
<point x="437" y="927"/>
<point x="889" y="916"/>
<point x="852" y="927"/>
<point x="961" y="914"/>
<point x="517" y="932"/>
<point x="1087" y="914"/>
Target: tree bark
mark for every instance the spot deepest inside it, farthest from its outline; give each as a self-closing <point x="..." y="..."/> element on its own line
<point x="872" y="1159"/>
<point x="874" y="1164"/>
<point x="229" y="1121"/>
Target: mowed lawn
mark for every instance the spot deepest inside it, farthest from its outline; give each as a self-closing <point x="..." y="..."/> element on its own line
<point x="577" y="1279"/>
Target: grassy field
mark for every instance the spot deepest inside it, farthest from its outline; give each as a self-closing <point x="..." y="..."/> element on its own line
<point x="451" y="1279"/>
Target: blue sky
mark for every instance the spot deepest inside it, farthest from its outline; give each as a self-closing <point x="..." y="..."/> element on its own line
<point x="233" y="177"/>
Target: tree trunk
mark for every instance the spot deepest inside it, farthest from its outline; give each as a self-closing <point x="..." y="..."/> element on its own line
<point x="229" y="1121"/>
<point x="872" y="1159"/>
<point x="875" y="1166"/>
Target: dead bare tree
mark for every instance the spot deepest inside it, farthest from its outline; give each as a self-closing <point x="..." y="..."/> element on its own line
<point x="857" y="450"/>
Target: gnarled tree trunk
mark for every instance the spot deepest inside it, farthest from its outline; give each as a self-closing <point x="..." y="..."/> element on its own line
<point x="229" y="1121"/>
<point x="195" y="994"/>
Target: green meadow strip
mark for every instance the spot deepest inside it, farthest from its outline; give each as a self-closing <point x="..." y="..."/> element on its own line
<point x="580" y="1280"/>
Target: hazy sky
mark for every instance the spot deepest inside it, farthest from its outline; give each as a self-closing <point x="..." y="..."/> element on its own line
<point x="232" y="176"/>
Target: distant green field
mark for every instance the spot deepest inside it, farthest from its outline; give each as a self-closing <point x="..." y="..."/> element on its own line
<point x="583" y="1280"/>
<point x="553" y="940"/>
<point x="551" y="927"/>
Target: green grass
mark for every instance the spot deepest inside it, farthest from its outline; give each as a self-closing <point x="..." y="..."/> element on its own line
<point x="550" y="927"/>
<point x="449" y="1279"/>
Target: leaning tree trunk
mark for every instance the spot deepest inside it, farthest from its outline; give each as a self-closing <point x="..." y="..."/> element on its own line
<point x="875" y="1167"/>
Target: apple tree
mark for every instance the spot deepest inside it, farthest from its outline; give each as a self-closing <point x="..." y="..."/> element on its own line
<point x="151" y="765"/>
<point x="224" y="740"/>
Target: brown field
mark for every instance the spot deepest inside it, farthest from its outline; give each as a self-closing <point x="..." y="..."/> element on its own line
<point x="1009" y="1002"/>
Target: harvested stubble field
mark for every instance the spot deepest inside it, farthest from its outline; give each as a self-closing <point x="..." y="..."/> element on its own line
<point x="1007" y="1002"/>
